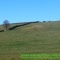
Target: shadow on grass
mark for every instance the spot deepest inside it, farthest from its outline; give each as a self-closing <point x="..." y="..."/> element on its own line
<point x="12" y="59"/>
<point x="1" y="30"/>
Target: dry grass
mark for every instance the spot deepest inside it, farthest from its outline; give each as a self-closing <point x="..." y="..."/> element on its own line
<point x="41" y="38"/>
<point x="33" y="28"/>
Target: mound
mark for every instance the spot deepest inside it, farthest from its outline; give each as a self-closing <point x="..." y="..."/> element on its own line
<point x="33" y="28"/>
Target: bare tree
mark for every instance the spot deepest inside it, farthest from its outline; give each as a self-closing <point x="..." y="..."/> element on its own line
<point x="6" y="25"/>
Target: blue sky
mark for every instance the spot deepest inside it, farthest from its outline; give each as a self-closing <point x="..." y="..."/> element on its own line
<point x="29" y="10"/>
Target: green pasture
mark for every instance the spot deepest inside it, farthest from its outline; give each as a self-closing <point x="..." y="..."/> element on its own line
<point x="43" y="37"/>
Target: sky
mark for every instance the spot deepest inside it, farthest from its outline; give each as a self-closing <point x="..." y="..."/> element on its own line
<point x="29" y="10"/>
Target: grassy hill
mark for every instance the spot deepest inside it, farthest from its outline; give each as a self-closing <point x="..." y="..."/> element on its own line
<point x="41" y="37"/>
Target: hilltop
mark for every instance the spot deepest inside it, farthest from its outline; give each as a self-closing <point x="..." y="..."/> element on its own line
<point x="42" y="37"/>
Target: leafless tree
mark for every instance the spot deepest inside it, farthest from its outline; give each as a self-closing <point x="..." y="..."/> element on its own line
<point x="6" y="25"/>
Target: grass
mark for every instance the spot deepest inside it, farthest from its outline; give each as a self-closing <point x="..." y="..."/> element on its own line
<point x="32" y="38"/>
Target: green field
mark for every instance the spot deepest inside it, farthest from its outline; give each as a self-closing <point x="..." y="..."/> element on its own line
<point x="43" y="37"/>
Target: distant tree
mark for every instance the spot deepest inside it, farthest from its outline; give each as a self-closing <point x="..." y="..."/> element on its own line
<point x="6" y="25"/>
<point x="37" y="21"/>
<point x="44" y="21"/>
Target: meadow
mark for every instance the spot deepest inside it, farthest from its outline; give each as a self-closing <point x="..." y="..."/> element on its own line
<point x="43" y="37"/>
